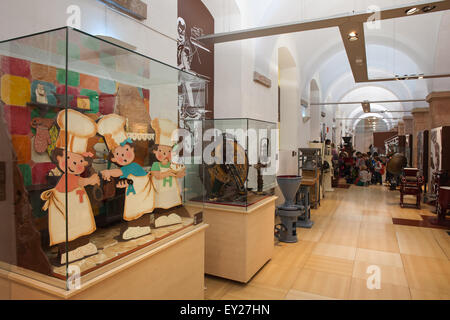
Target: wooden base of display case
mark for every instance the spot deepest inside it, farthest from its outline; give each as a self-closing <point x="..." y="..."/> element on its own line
<point x="239" y="241"/>
<point x="156" y="274"/>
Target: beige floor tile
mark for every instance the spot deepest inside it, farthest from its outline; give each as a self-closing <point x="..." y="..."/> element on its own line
<point x="323" y="284"/>
<point x="254" y="292"/>
<point x="337" y="266"/>
<point x="377" y="219"/>
<point x="428" y="295"/>
<point x="359" y="291"/>
<point x="333" y="250"/>
<point x="419" y="242"/>
<point x="216" y="287"/>
<point x="344" y="233"/>
<point x="443" y="239"/>
<point x="407" y="215"/>
<point x="320" y="222"/>
<point x="309" y="234"/>
<point x="379" y="257"/>
<point x="428" y="281"/>
<point x="378" y="236"/>
<point x="377" y="213"/>
<point x="416" y="264"/>
<point x="293" y="255"/>
<point x="277" y="276"/>
<point x="340" y="216"/>
<point x="389" y="274"/>
<point x="299" y="295"/>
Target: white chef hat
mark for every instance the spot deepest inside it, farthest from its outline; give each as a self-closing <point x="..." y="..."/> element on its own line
<point x="112" y="128"/>
<point x="80" y="128"/>
<point x="164" y="129"/>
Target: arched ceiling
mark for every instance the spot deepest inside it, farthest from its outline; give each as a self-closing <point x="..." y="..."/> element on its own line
<point x="398" y="47"/>
<point x="403" y="46"/>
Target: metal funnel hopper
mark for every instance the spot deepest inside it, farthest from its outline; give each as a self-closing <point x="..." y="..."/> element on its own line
<point x="289" y="186"/>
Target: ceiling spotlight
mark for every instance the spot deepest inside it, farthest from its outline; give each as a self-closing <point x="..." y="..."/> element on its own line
<point x="353" y="36"/>
<point x="366" y="106"/>
<point x="428" y="8"/>
<point x="420" y="76"/>
<point x="411" y="11"/>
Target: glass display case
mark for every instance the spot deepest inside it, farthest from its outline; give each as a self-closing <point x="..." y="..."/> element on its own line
<point x="239" y="160"/>
<point x="90" y="173"/>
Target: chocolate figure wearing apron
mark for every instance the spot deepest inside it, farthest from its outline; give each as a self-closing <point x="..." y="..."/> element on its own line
<point x="80" y="218"/>
<point x="139" y="198"/>
<point x="165" y="173"/>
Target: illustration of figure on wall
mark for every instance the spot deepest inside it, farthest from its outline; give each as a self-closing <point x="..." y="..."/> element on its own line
<point x="140" y="195"/>
<point x="80" y="218"/>
<point x="165" y="173"/>
<point x="191" y="95"/>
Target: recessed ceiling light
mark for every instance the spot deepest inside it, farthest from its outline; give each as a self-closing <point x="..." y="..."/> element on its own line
<point x="353" y="36"/>
<point x="411" y="11"/>
<point x="428" y="8"/>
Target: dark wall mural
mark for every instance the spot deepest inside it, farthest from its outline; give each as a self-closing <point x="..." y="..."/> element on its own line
<point x="195" y="20"/>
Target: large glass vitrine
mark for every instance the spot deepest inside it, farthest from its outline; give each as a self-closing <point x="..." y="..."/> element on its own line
<point x="89" y="171"/>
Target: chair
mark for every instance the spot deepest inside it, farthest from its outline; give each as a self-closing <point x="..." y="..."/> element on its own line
<point x="411" y="183"/>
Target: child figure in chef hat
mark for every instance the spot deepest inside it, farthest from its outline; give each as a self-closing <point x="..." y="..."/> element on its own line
<point x="139" y="198"/>
<point x="165" y="173"/>
<point x="80" y="218"/>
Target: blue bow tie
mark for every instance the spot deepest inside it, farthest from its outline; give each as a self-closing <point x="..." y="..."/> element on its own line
<point x="125" y="142"/>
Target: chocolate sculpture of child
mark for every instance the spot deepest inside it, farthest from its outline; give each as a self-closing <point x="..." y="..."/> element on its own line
<point x="80" y="218"/>
<point x="165" y="173"/>
<point x="139" y="196"/>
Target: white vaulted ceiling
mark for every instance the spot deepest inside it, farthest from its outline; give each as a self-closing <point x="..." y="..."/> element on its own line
<point x="397" y="47"/>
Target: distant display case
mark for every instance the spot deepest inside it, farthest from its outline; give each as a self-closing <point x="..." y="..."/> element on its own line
<point x="89" y="173"/>
<point x="239" y="160"/>
<point x="423" y="153"/>
<point x="439" y="165"/>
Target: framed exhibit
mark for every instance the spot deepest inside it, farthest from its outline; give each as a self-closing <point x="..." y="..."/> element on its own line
<point x="89" y="176"/>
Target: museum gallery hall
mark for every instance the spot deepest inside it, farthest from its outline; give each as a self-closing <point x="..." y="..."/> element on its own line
<point x="224" y="150"/>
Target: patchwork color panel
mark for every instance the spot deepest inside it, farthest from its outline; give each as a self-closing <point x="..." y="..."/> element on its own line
<point x="15" y="90"/>
<point x="107" y="86"/>
<point x="26" y="174"/>
<point x="89" y="82"/>
<point x="107" y="60"/>
<point x="22" y="147"/>
<point x="74" y="49"/>
<point x="93" y="97"/>
<point x="43" y="72"/>
<point x="73" y="78"/>
<point x="146" y="94"/>
<point x="15" y="67"/>
<point x="18" y="120"/>
<point x="106" y="103"/>
<point x="40" y="171"/>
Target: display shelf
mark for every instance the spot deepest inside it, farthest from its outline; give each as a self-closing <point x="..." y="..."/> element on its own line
<point x="239" y="241"/>
<point x="151" y="274"/>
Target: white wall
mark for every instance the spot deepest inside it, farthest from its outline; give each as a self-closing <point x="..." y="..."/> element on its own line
<point x="155" y="37"/>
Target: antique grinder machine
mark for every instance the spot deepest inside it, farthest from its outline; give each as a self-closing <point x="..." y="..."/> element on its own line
<point x="289" y="212"/>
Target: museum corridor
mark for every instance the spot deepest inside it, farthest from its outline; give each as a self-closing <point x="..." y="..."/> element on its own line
<point x="353" y="230"/>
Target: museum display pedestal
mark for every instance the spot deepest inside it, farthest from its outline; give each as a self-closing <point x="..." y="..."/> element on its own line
<point x="151" y="274"/>
<point x="239" y="240"/>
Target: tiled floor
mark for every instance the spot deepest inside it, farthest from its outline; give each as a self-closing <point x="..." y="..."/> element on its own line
<point x="353" y="231"/>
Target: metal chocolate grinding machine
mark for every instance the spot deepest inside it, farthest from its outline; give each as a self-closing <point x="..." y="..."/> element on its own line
<point x="289" y="212"/>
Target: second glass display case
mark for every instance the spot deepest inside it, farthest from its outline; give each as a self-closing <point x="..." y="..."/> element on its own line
<point x="239" y="160"/>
